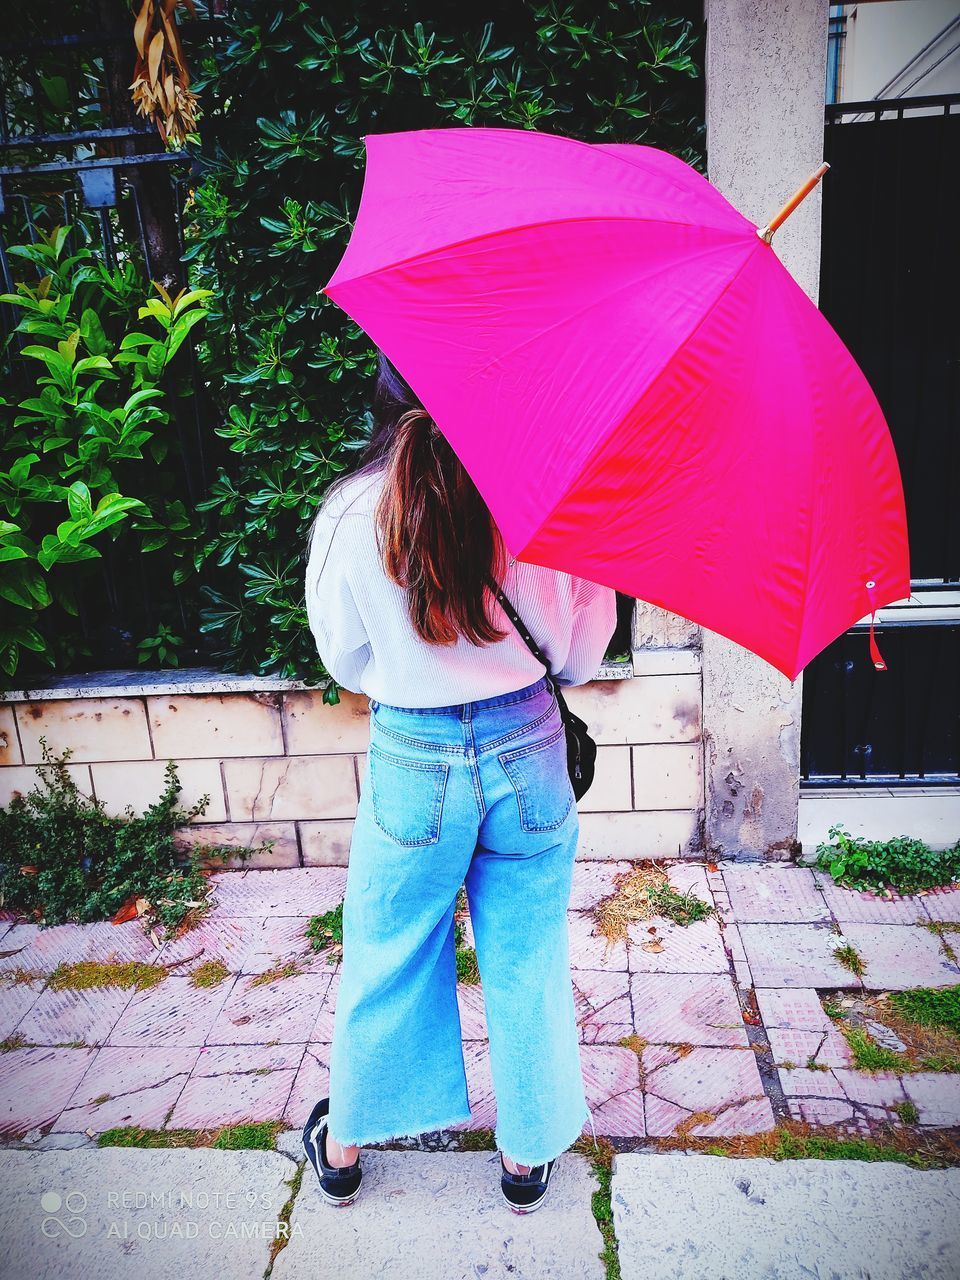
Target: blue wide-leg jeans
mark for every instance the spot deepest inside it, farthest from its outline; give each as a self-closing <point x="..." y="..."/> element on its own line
<point x="474" y="794"/>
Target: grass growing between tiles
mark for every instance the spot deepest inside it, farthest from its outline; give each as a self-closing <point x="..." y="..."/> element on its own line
<point x="641" y="893"/>
<point x="849" y="957"/>
<point x="925" y="1020"/>
<point x="251" y="1136"/>
<point x="325" y="933"/>
<point x="796" y="1140"/>
<point x="282" y="1238"/>
<point x="601" y="1202"/>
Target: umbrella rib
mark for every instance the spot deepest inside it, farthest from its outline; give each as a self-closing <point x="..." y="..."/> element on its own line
<point x="679" y="347"/>
<point x="612" y="293"/>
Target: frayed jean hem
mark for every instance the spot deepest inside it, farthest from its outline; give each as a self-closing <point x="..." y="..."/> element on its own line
<point x="539" y="1157"/>
<point x="432" y="1127"/>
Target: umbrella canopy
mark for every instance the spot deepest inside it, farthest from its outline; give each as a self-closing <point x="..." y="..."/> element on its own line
<point x="640" y="390"/>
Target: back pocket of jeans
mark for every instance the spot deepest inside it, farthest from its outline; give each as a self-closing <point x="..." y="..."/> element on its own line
<point x="407" y="796"/>
<point x="540" y="778"/>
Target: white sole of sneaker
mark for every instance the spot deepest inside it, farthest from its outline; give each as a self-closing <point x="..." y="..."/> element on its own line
<point x="338" y="1202"/>
<point x="527" y="1208"/>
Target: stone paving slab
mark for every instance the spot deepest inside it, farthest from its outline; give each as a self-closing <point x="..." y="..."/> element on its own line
<point x="900" y="956"/>
<point x="784" y="1220"/>
<point x="795" y="955"/>
<point x="127" y="1087"/>
<point x="861" y="907"/>
<point x="676" y="948"/>
<point x="687" y="1008"/>
<point x="765" y="894"/>
<point x="940" y="904"/>
<point x="440" y="1216"/>
<point x="64" y="1214"/>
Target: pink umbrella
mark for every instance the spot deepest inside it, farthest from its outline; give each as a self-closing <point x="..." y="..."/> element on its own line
<point x="640" y="390"/>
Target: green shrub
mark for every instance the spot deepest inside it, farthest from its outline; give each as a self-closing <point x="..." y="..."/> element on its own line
<point x="94" y="427"/>
<point x="287" y="99"/>
<point x="904" y="863"/>
<point x="63" y="858"/>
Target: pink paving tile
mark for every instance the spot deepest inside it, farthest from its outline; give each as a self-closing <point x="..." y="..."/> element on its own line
<point x="867" y="908"/>
<point x="310" y="1084"/>
<point x="803" y="1083"/>
<point x="473" y="1020"/>
<point x="323" y="1027"/>
<point x="687" y="1008"/>
<point x="230" y="1085"/>
<point x="480" y="1091"/>
<point x="732" y="942"/>
<point x="35" y="1085"/>
<point x="591" y="882"/>
<point x="173" y="1013"/>
<point x="284" y="1010"/>
<point x="291" y="891"/>
<point x="874" y="1088"/>
<point x="62" y="1017"/>
<point x="761" y="893"/>
<point x="609" y="1071"/>
<point x="16" y="999"/>
<point x="936" y="1095"/>
<point x="940" y="904"/>
<point x="278" y="940"/>
<point x="800" y="1009"/>
<point x="658" y="1055"/>
<point x="753" y="1115"/>
<point x="900" y="956"/>
<point x="621" y="1116"/>
<point x="690" y="877"/>
<point x="127" y="1087"/>
<point x="662" y="1118"/>
<point x="214" y="938"/>
<point x="27" y="946"/>
<point x="835" y="1051"/>
<point x="715" y="1080"/>
<point x="590" y="950"/>
<point x="827" y="1048"/>
<point x="690" y="948"/>
<point x="825" y="1111"/>
<point x="795" y="955"/>
<point x="602" y="1004"/>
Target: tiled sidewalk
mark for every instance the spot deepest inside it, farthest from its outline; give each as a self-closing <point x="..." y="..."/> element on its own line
<point x="713" y="1008"/>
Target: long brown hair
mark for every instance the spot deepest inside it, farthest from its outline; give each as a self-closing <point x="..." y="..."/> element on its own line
<point x="436" y="536"/>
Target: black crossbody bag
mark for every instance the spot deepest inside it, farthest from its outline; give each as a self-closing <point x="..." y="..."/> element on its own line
<point x="581" y="748"/>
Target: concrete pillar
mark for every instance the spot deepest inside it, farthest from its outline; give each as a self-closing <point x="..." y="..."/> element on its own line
<point x="765" y="72"/>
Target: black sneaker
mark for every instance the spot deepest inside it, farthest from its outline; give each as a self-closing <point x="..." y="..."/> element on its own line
<point x="337" y="1186"/>
<point x="525" y="1192"/>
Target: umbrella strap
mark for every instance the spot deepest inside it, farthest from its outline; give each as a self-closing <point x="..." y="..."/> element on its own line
<point x="875" y="654"/>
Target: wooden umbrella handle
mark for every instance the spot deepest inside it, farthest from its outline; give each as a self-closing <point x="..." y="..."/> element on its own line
<point x="766" y="233"/>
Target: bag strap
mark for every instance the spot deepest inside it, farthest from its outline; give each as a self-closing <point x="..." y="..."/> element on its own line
<point x="531" y="644"/>
<point x="520" y="625"/>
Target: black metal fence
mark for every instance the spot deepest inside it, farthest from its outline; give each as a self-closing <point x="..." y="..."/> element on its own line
<point x="889" y="283"/>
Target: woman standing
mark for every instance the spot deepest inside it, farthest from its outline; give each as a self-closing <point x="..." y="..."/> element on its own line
<point x="466" y="784"/>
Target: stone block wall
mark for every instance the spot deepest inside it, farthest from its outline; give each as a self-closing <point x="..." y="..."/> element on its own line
<point x="279" y="765"/>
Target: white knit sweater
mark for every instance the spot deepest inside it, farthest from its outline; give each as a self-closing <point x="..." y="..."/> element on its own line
<point x="363" y="632"/>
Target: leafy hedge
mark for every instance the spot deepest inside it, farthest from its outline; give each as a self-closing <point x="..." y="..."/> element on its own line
<point x="91" y="467"/>
<point x="289" y="98"/>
